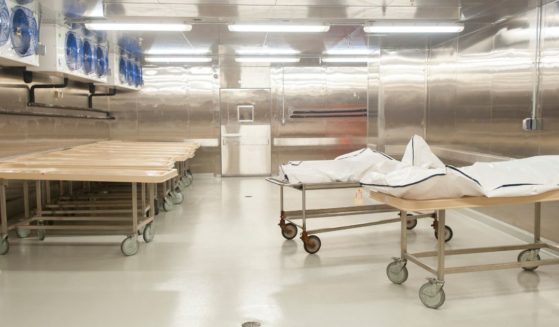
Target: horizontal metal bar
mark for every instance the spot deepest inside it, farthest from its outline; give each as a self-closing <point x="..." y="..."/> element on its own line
<point x="418" y="262"/>
<point x="41" y="114"/>
<point x="483" y="250"/>
<point x="332" y="229"/>
<point x="342" y="211"/>
<point x="69" y="218"/>
<point x="98" y="211"/>
<point x="500" y="266"/>
<point x="80" y="227"/>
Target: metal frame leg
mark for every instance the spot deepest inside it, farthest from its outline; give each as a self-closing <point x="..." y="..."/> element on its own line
<point x="134" y="208"/>
<point x="47" y="192"/>
<point x="441" y="214"/>
<point x="403" y="234"/>
<point x="38" y="198"/>
<point x="537" y="222"/>
<point x="144" y="196"/>
<point x="151" y="194"/>
<point x="3" y="211"/>
<point x="26" y="199"/>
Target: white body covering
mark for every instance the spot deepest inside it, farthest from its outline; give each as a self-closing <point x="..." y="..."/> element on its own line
<point x="350" y="167"/>
<point x="422" y="176"/>
<point x="425" y="179"/>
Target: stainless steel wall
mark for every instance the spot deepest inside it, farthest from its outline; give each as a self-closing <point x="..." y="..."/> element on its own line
<point x="20" y="134"/>
<point x="328" y="89"/>
<point x="176" y="103"/>
<point x="480" y="88"/>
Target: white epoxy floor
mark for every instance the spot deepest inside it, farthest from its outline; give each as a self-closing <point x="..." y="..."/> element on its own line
<point x="219" y="260"/>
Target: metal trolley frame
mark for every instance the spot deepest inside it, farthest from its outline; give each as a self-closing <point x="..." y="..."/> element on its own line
<point x="312" y="243"/>
<point x="432" y="293"/>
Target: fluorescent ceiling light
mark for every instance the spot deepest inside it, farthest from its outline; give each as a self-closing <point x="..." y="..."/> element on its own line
<point x="267" y="59"/>
<point x="406" y="28"/>
<point x="155" y="27"/>
<point x="175" y="51"/>
<point x="283" y="28"/>
<point x="267" y="51"/>
<point x="343" y="52"/>
<point x="178" y="59"/>
<point x="347" y="59"/>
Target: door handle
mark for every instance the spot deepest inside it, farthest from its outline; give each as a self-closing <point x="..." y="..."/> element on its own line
<point x="231" y="135"/>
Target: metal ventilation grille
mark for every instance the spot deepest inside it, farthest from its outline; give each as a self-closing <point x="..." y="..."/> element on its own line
<point x="4" y="23"/>
<point x="89" y="55"/>
<point x="24" y="31"/>
<point x="73" y="51"/>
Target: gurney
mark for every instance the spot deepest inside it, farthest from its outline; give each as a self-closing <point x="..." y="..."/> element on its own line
<point x="138" y="222"/>
<point x="432" y="293"/>
<point x="109" y="174"/>
<point x="289" y="220"/>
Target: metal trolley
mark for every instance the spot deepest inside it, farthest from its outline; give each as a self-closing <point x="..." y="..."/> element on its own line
<point x="288" y="219"/>
<point x="432" y="294"/>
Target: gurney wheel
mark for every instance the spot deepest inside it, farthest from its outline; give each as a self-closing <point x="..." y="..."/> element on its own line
<point x="397" y="272"/>
<point x="529" y="255"/>
<point x="167" y="205"/>
<point x="312" y="245"/>
<point x="432" y="294"/>
<point x="411" y="223"/>
<point x="129" y="246"/>
<point x="4" y="245"/>
<point x="177" y="197"/>
<point x="22" y="232"/>
<point x="41" y="233"/>
<point x="289" y="231"/>
<point x="448" y="234"/>
<point x="149" y="233"/>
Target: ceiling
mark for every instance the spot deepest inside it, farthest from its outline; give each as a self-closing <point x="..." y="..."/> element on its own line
<point x="209" y="19"/>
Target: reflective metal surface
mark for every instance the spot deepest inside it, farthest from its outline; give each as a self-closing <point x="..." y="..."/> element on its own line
<point x="480" y="90"/>
<point x="245" y="132"/>
<point x="329" y="89"/>
<point x="176" y="103"/>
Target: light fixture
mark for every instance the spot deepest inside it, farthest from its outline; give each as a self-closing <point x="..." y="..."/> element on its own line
<point x="409" y="28"/>
<point x="267" y="59"/>
<point x="267" y="51"/>
<point x="151" y="27"/>
<point x="279" y="28"/>
<point x="347" y="51"/>
<point x="178" y="59"/>
<point x="347" y="59"/>
<point x="177" y="51"/>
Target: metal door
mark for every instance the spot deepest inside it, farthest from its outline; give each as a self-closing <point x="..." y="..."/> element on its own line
<point x="245" y="132"/>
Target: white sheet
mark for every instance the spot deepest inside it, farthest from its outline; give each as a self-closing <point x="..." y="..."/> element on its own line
<point x="424" y="179"/>
<point x="350" y="167"/>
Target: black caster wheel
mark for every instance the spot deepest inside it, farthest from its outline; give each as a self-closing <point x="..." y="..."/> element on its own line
<point x="411" y="223"/>
<point x="313" y="244"/>
<point x="289" y="231"/>
<point x="448" y="234"/>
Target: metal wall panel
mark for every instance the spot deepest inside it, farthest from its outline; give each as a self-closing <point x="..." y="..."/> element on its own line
<point x="480" y="90"/>
<point x="22" y="134"/>
<point x="403" y="92"/>
<point x="176" y="103"/>
<point x="310" y="89"/>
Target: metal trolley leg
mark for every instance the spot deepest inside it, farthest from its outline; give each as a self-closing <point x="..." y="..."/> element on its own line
<point x="129" y="245"/>
<point x="311" y="243"/>
<point x="4" y="244"/>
